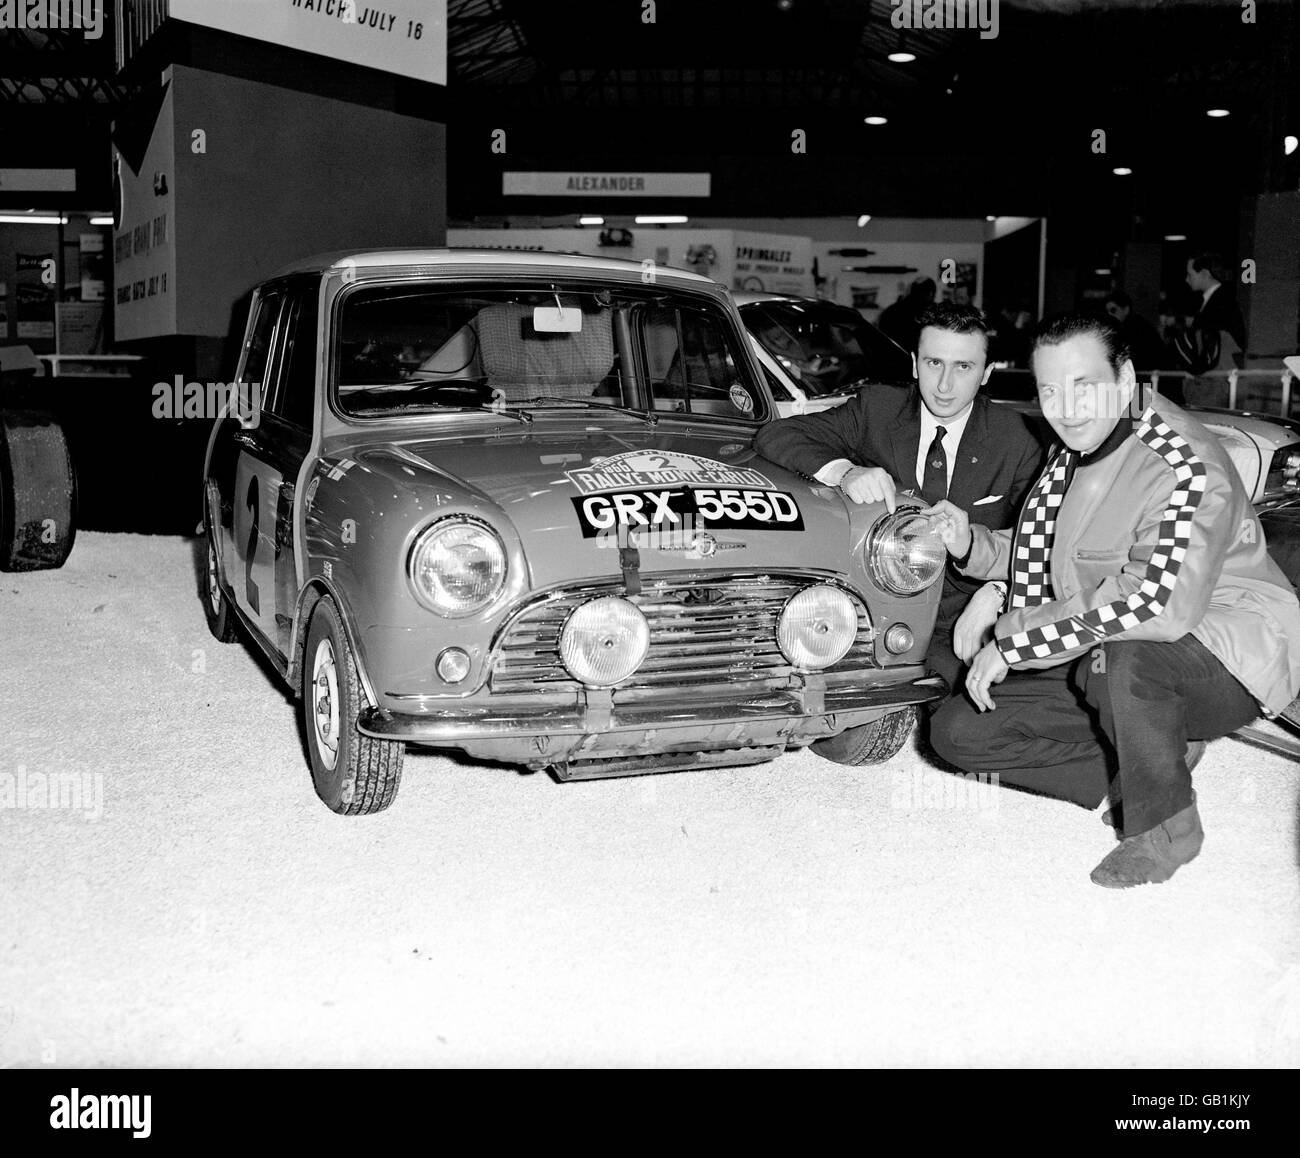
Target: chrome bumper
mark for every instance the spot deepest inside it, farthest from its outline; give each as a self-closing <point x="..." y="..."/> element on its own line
<point x="539" y="734"/>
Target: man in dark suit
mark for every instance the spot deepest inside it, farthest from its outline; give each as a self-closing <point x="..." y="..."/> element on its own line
<point x="940" y="440"/>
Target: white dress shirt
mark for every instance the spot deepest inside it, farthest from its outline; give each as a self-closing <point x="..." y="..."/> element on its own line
<point x="835" y="470"/>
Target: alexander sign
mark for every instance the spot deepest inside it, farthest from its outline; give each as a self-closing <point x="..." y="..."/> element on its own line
<point x="605" y="184"/>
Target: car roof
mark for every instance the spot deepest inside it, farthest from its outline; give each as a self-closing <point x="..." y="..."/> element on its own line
<point x="360" y="259"/>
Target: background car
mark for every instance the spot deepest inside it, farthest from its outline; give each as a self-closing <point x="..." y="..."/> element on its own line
<point x="508" y="503"/>
<point x="817" y="354"/>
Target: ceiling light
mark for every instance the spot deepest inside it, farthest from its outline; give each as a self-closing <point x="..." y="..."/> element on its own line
<point x="97" y="220"/>
<point x="591" y="221"/>
<point x="990" y="218"/>
<point x="662" y="219"/>
<point x="31" y="219"/>
<point x="1122" y="171"/>
<point x="1289" y="143"/>
<point x="1175" y="237"/>
<point x="875" y="120"/>
<point x="1216" y="112"/>
<point x="902" y="57"/>
<point x="1102" y="272"/>
<point x="863" y="219"/>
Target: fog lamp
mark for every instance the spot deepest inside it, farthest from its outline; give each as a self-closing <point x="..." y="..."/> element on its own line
<point x="604" y="641"/>
<point x="817" y="627"/>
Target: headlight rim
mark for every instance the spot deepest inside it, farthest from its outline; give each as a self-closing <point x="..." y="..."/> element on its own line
<point x="419" y="541"/>
<point x="885" y="523"/>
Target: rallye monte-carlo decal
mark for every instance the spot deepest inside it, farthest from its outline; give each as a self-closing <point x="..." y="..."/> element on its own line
<point x="663" y="490"/>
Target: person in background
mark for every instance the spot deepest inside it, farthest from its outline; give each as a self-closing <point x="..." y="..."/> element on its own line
<point x="941" y="440"/>
<point x="1145" y="615"/>
<point x="1139" y="335"/>
<point x="1215" y="340"/>
<point x="901" y="321"/>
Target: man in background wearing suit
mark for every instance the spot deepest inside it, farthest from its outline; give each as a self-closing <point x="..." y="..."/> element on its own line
<point x="939" y="440"/>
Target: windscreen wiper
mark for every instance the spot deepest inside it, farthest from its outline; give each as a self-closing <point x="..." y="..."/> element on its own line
<point x="591" y="404"/>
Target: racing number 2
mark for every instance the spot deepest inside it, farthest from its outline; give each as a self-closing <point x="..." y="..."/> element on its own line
<point x="250" y="587"/>
<point x="766" y="506"/>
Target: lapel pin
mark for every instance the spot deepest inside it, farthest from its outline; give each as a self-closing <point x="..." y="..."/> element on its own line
<point x="974" y="459"/>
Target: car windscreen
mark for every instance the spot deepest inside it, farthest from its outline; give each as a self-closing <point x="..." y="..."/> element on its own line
<point x="403" y="348"/>
<point x="826" y="348"/>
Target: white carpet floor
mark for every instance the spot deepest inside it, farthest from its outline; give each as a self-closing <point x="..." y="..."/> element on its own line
<point x="792" y="913"/>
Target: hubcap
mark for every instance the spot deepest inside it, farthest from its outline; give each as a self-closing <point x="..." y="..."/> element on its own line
<point x="325" y="703"/>
<point x="214" y="591"/>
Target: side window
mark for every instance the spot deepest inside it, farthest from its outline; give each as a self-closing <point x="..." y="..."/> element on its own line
<point x="261" y="339"/>
<point x="295" y="400"/>
<point x="690" y="365"/>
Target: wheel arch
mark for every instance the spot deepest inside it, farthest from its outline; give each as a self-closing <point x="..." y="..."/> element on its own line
<point x="312" y="593"/>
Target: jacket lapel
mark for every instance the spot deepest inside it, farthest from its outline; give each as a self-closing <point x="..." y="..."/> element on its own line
<point x="905" y="441"/>
<point x="972" y="457"/>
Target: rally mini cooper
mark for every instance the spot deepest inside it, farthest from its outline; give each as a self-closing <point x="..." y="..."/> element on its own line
<point x="508" y="503"/>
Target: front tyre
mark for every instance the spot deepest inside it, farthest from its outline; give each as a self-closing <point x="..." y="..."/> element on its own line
<point x="216" y="608"/>
<point x="872" y="743"/>
<point x="353" y="774"/>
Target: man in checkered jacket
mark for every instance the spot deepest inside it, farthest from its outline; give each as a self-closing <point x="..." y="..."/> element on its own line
<point x="1142" y="613"/>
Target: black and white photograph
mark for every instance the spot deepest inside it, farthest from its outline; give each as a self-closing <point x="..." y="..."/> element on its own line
<point x="646" y="535"/>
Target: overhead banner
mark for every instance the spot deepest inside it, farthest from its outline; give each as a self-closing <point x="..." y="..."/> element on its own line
<point x="590" y="184"/>
<point x="407" y="37"/>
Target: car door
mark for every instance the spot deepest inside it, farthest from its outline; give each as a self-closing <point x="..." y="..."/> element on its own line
<point x="270" y="453"/>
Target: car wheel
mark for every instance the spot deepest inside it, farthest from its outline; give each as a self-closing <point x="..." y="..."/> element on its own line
<point x="38" y="492"/>
<point x="216" y="608"/>
<point x="354" y="774"/>
<point x="872" y="743"/>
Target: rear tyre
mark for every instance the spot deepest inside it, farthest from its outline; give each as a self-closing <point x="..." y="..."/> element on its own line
<point x="872" y="743"/>
<point x="38" y="492"/>
<point x="354" y="774"/>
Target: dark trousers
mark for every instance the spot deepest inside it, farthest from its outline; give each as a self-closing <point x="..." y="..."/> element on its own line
<point x="1123" y="711"/>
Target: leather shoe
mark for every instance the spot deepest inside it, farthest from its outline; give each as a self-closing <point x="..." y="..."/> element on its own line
<point x="1195" y="750"/>
<point x="1152" y="857"/>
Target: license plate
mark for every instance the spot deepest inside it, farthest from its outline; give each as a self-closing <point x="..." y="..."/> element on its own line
<point x="725" y="509"/>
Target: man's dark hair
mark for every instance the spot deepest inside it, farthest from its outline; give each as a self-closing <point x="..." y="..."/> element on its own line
<point x="1062" y="327"/>
<point x="922" y="287"/>
<point x="1120" y="298"/>
<point x="1214" y="263"/>
<point x="957" y="318"/>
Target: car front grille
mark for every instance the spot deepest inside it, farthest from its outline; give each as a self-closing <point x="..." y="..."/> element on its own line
<point x="703" y="631"/>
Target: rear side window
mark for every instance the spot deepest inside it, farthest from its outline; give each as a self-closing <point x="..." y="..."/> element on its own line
<point x="296" y="398"/>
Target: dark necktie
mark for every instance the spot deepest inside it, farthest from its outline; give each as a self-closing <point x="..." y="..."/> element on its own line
<point x="935" y="484"/>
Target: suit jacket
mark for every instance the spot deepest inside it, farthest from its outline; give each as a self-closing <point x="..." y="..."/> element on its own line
<point x="998" y="457"/>
<point x="1116" y="569"/>
<point x="1222" y="314"/>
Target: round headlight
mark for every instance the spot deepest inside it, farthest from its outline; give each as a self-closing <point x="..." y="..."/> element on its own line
<point x="458" y="566"/>
<point x="604" y="641"/>
<point x="817" y="627"/>
<point x="905" y="556"/>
